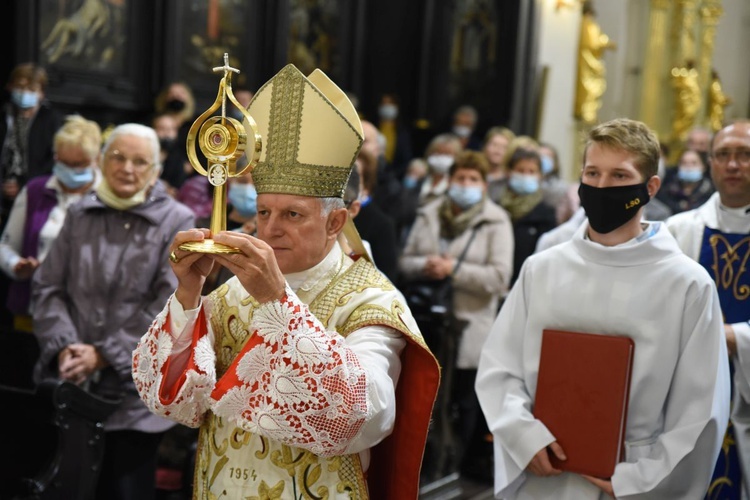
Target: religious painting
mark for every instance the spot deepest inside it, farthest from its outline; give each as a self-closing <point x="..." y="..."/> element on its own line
<point x="204" y="30"/>
<point x="474" y="44"/>
<point x="83" y="35"/>
<point x="314" y="36"/>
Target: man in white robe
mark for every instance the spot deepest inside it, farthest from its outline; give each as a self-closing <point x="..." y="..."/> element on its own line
<point x="717" y="235"/>
<point x="617" y="276"/>
<point x="306" y="372"/>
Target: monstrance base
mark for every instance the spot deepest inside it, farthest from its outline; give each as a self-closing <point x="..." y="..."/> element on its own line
<point x="208" y="246"/>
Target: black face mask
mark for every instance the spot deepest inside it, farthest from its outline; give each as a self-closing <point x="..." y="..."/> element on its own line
<point x="175" y="105"/>
<point x="167" y="143"/>
<point x="611" y="207"/>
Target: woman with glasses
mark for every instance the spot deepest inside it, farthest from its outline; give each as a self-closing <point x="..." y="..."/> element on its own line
<point x="105" y="277"/>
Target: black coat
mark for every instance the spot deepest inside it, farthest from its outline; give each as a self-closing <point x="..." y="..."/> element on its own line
<point x="44" y="125"/>
<point x="527" y="231"/>
<point x="379" y="230"/>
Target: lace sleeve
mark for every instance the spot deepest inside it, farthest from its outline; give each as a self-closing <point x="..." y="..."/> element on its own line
<point x="188" y="398"/>
<point x="295" y="382"/>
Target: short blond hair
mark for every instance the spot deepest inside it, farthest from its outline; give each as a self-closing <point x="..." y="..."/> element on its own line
<point x="78" y="131"/>
<point x="441" y="139"/>
<point x="631" y="136"/>
<point x="492" y="132"/>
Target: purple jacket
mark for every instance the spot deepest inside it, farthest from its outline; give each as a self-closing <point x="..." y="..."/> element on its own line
<point x="104" y="280"/>
<point x="40" y="200"/>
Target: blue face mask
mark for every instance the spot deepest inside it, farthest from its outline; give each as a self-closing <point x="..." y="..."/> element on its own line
<point x="465" y="196"/>
<point x="689" y="174"/>
<point x="243" y="198"/>
<point x="524" y="184"/>
<point x="410" y="182"/>
<point x="24" y="99"/>
<point x="547" y="164"/>
<point x="73" y="178"/>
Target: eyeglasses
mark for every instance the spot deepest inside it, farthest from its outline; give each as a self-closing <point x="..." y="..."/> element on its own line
<point x="120" y="159"/>
<point x="722" y="157"/>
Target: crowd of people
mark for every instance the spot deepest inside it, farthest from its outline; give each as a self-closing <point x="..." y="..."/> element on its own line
<point x="302" y="343"/>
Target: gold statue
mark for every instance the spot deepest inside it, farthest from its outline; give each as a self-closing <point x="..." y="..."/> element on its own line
<point x="717" y="101"/>
<point x="223" y="141"/>
<point x="687" y="100"/>
<point x="591" y="82"/>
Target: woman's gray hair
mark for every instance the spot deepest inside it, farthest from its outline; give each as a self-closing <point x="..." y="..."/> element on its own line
<point x="328" y="205"/>
<point x="137" y="130"/>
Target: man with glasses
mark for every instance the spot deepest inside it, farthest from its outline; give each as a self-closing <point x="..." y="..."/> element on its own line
<point x="717" y="235"/>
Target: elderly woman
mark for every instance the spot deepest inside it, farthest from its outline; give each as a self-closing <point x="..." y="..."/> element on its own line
<point x="40" y="208"/>
<point x="105" y="277"/>
<point x="464" y="222"/>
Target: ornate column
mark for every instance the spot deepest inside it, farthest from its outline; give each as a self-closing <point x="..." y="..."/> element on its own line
<point x="710" y="12"/>
<point x="655" y="72"/>
<point x="684" y="32"/>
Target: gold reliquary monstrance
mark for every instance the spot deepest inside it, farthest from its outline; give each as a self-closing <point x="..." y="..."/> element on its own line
<point x="223" y="140"/>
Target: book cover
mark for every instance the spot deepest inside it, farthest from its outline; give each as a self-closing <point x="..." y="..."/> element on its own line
<point x="582" y="396"/>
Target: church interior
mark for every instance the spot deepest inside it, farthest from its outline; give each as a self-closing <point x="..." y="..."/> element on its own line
<point x="549" y="70"/>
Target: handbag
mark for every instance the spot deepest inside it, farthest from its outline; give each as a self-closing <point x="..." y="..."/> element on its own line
<point x="429" y="298"/>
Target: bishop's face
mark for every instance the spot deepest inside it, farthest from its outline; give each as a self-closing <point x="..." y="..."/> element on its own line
<point x="294" y="227"/>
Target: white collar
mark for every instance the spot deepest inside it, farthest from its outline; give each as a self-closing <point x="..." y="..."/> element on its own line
<point x="306" y="280"/>
<point x="734" y="220"/>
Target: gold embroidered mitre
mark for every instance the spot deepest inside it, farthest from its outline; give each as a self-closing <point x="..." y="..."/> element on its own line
<point x="311" y="133"/>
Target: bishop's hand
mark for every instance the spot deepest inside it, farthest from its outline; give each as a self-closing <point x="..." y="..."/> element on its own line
<point x="255" y="266"/>
<point x="191" y="268"/>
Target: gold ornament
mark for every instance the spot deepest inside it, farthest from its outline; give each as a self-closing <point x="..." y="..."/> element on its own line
<point x="223" y="140"/>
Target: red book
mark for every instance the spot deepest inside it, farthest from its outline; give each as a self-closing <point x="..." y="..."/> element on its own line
<point x="582" y="397"/>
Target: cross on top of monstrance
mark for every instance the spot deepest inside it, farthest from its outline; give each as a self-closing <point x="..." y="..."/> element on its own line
<point x="228" y="70"/>
<point x="223" y="140"/>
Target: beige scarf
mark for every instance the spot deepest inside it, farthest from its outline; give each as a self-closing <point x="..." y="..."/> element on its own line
<point x="453" y="225"/>
<point x="109" y="198"/>
<point x="519" y="205"/>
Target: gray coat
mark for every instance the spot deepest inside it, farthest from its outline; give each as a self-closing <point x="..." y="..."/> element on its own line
<point x="483" y="276"/>
<point x="104" y="280"/>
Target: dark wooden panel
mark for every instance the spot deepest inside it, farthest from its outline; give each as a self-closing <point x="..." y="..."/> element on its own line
<point x="421" y="50"/>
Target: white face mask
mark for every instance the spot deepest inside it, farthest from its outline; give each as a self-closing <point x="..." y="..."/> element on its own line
<point x="462" y="131"/>
<point x="388" y="111"/>
<point x="440" y="164"/>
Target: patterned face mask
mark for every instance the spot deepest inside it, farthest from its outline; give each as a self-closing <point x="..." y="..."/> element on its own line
<point x="610" y="207"/>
